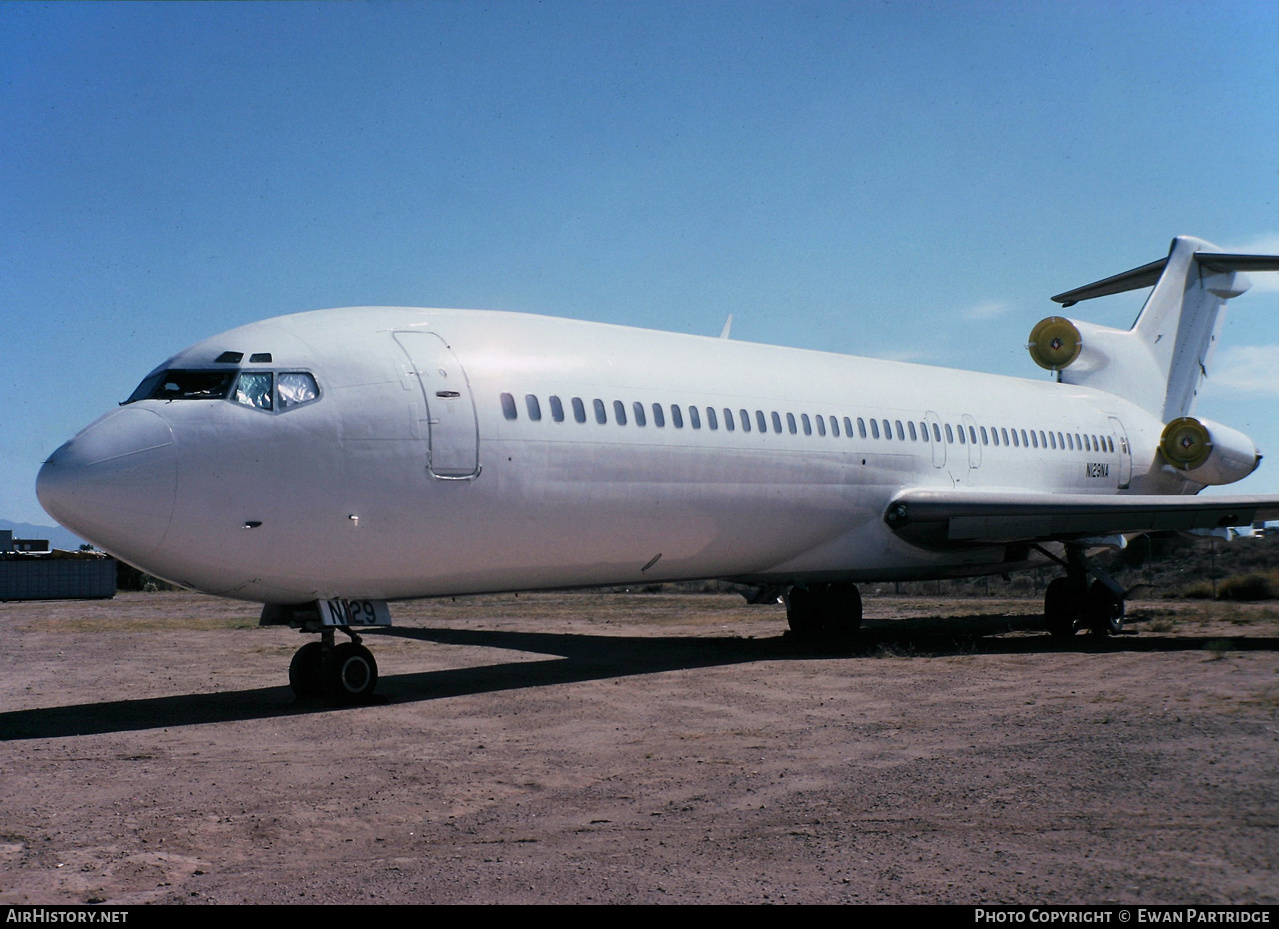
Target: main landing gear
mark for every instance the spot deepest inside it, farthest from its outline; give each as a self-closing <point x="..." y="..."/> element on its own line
<point x="1071" y="603"/>
<point x="343" y="673"/>
<point x="822" y="611"/>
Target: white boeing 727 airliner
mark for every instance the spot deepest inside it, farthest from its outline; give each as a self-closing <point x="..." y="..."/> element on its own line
<point x="327" y="462"/>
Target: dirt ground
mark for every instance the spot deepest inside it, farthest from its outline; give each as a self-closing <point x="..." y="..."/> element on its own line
<point x="641" y="748"/>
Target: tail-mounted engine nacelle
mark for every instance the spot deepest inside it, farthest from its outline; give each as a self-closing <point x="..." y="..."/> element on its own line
<point x="1207" y="452"/>
<point x="1055" y="343"/>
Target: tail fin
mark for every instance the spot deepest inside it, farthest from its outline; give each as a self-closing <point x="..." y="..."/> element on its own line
<point x="1160" y="362"/>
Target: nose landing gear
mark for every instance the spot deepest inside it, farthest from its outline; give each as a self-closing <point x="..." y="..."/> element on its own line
<point x="345" y="673"/>
<point x="323" y="670"/>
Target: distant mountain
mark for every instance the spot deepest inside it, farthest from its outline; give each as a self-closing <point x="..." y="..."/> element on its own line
<point x="57" y="536"/>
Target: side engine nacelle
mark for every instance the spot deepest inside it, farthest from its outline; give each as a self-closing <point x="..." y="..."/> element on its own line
<point x="1057" y="342"/>
<point x="1116" y="361"/>
<point x="1206" y="452"/>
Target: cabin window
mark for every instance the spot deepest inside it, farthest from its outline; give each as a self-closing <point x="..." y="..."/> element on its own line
<point x="888" y="430"/>
<point x="821" y="425"/>
<point x="790" y="424"/>
<point x="960" y="430"/>
<point x="760" y="422"/>
<point x="601" y="413"/>
<point x="677" y="418"/>
<point x="254" y="389"/>
<point x="807" y="423"/>
<point x="639" y="413"/>
<point x="848" y="427"/>
<point x="994" y="435"/>
<point x="950" y="434"/>
<point x="746" y="420"/>
<point x="659" y="418"/>
<point x="1034" y="440"/>
<point x="914" y="436"/>
<point x="834" y="427"/>
<point x="508" y="407"/>
<point x="711" y="422"/>
<point x="694" y="418"/>
<point x="579" y="410"/>
<point x="901" y="432"/>
<point x="534" y="408"/>
<point x="1016" y="443"/>
<point x="557" y="409"/>
<point x="728" y="420"/>
<point x="295" y="388"/>
<point x="1052" y="441"/>
<point x="777" y="421"/>
<point x="861" y="427"/>
<point x="1111" y="442"/>
<point x="1025" y="442"/>
<point x="619" y="412"/>
<point x="874" y="428"/>
<point x="984" y="440"/>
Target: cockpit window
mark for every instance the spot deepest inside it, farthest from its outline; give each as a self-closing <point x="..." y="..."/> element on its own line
<point x="296" y="388"/>
<point x="254" y="389"/>
<point x="260" y="390"/>
<point x="184" y="385"/>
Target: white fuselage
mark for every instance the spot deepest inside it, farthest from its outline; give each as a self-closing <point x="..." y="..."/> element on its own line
<point x="409" y="477"/>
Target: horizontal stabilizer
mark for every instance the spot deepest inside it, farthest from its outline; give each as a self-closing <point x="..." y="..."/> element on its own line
<point x="1148" y="275"/>
<point x="1145" y="276"/>
<point x="1219" y="261"/>
<point x="941" y="519"/>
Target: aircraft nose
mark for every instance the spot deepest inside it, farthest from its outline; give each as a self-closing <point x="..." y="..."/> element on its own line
<point x="114" y="483"/>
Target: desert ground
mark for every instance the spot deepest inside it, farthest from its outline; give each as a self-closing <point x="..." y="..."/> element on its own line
<point x="639" y="748"/>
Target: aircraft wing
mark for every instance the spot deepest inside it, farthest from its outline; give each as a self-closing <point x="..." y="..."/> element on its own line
<point x="941" y="519"/>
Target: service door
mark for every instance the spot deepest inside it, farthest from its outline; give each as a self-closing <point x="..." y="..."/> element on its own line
<point x="974" y="437"/>
<point x="450" y="410"/>
<point x="935" y="440"/>
<point x="1125" y="453"/>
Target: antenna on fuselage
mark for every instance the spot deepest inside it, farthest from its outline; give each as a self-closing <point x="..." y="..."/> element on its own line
<point x="728" y="326"/>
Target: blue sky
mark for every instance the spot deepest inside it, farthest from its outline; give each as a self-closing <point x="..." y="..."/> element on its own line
<point x="905" y="180"/>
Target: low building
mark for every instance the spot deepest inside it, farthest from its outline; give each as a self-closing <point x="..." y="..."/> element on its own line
<point x="29" y="570"/>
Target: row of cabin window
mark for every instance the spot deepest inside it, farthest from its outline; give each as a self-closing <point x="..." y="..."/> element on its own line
<point x="1017" y="438"/>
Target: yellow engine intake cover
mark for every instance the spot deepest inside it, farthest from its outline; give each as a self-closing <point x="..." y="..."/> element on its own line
<point x="1054" y="343"/>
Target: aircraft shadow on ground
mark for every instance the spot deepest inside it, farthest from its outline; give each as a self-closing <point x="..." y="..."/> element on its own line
<point x="577" y="658"/>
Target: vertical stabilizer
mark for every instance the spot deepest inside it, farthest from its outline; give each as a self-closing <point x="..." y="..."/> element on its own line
<point x="1160" y="362"/>
<point x="1182" y="318"/>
